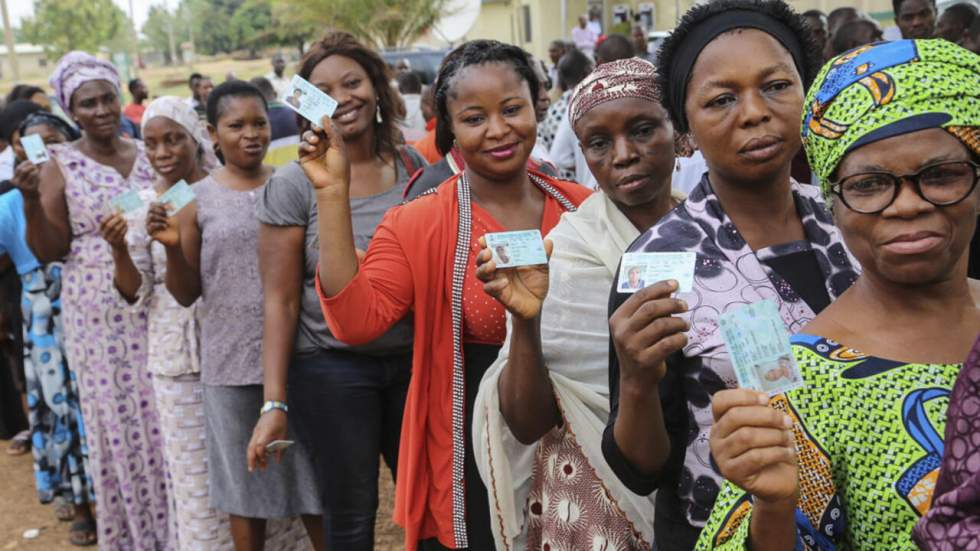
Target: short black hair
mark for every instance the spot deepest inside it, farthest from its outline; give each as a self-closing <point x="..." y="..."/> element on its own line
<point x="409" y="83"/>
<point x="475" y="53"/>
<point x="13" y="114"/>
<point x="849" y="36"/>
<point x="963" y="13"/>
<point x="264" y="86"/>
<point x="573" y="67"/>
<point x="132" y="84"/>
<point x="22" y="91"/>
<point x="614" y="48"/>
<point x="227" y="90"/>
<point x="840" y="16"/>
<point x="194" y="78"/>
<point x="897" y="5"/>
<point x="974" y="30"/>
<point x="776" y="9"/>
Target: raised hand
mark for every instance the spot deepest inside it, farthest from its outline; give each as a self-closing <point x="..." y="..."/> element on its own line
<point x="644" y="333"/>
<point x="27" y="178"/>
<point x="323" y="156"/>
<point x="753" y="445"/>
<point x="113" y="229"/>
<point x="521" y="290"/>
<point x="161" y="226"/>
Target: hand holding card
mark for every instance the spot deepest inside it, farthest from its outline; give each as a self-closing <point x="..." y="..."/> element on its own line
<point x="177" y="197"/>
<point x="34" y="147"/>
<point x="516" y="248"/>
<point x="758" y="343"/>
<point x="309" y="101"/>
<point x="520" y="290"/>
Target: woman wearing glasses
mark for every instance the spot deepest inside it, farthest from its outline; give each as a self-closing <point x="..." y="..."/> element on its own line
<point x="851" y="459"/>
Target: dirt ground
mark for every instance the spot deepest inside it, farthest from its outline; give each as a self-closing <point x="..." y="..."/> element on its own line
<point x="20" y="511"/>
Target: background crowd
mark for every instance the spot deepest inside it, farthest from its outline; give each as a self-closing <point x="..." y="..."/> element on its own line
<point x="331" y="286"/>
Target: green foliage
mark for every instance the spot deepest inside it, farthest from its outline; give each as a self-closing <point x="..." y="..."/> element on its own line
<point x="382" y="23"/>
<point x="65" y="25"/>
<point x="156" y="32"/>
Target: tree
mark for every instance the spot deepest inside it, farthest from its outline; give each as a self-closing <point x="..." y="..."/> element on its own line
<point x="65" y="25"/>
<point x="156" y="29"/>
<point x="211" y="23"/>
<point x="382" y="23"/>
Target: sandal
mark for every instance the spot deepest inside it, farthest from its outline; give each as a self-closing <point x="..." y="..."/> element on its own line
<point x="20" y="444"/>
<point x="64" y="510"/>
<point x="82" y="533"/>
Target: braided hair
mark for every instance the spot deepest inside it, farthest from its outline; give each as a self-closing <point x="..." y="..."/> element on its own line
<point x="475" y="52"/>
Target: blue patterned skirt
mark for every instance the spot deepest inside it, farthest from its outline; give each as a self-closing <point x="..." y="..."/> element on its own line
<point x="57" y="431"/>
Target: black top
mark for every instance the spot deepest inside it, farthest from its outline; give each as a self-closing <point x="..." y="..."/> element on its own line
<point x="672" y="530"/>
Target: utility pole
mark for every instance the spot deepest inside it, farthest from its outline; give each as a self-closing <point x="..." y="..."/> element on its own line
<point x="134" y="66"/>
<point x="8" y="36"/>
<point x="170" y="32"/>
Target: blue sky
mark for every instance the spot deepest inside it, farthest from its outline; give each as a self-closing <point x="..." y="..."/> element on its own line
<point x="25" y="8"/>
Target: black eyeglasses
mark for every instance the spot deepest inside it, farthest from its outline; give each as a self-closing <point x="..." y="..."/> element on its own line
<point x="942" y="184"/>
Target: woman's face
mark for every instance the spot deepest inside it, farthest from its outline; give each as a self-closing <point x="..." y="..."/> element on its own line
<point x="629" y="145"/>
<point x="743" y="106"/>
<point x="95" y="106"/>
<point x="170" y="149"/>
<point x="912" y="241"/>
<point x="49" y="135"/>
<point x="346" y="81"/>
<point x="492" y="116"/>
<point x="243" y="132"/>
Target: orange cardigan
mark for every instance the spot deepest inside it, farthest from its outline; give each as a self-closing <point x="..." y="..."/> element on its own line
<point x="413" y="264"/>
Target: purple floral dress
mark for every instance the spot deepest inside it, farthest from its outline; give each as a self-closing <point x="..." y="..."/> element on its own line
<point x="106" y="346"/>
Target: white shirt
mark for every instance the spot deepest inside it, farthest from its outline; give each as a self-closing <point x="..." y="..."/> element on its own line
<point x="7" y="162"/>
<point x="279" y="84"/>
<point x="688" y="172"/>
<point x="413" y="127"/>
<point x="568" y="157"/>
<point x="584" y="39"/>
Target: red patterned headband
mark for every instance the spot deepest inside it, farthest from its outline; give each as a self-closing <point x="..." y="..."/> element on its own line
<point x="624" y="78"/>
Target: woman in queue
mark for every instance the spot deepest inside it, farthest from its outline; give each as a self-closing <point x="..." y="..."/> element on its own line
<point x="214" y="258"/>
<point x="179" y="149"/>
<point x="422" y="259"/>
<point x="341" y="398"/>
<point x="61" y="472"/>
<point x="733" y="75"/>
<point x="543" y="404"/>
<point x="104" y="339"/>
<point x="850" y="459"/>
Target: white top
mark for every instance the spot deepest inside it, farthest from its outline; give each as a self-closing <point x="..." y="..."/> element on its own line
<point x="279" y="84"/>
<point x="413" y="127"/>
<point x="8" y="163"/>
<point x="584" y="39"/>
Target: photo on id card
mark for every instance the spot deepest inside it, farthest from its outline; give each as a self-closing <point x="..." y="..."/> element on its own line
<point x="308" y="100"/>
<point x="759" y="346"/>
<point x="639" y="270"/>
<point x="511" y="249"/>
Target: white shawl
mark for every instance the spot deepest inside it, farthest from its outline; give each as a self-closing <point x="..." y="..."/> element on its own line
<point x="588" y="245"/>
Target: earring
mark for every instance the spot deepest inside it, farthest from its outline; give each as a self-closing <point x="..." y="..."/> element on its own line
<point x="377" y="114"/>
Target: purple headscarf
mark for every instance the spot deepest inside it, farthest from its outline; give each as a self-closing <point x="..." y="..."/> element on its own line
<point x="75" y="69"/>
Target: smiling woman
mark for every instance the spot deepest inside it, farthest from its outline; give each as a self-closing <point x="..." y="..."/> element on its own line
<point x="421" y="260"/>
<point x="733" y="74"/>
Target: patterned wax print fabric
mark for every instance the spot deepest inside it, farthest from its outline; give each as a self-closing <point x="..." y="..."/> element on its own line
<point x="879" y="91"/>
<point x="57" y="431"/>
<point x="869" y="433"/>
<point x="953" y="522"/>
<point x="556" y="113"/>
<point x="105" y="340"/>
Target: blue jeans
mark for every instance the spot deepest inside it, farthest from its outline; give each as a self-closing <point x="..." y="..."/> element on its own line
<point x="347" y="407"/>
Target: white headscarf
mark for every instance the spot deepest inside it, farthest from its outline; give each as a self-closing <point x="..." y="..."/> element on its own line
<point x="177" y="110"/>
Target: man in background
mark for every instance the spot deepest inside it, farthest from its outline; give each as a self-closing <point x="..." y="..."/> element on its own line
<point x="817" y="21"/>
<point x="955" y="22"/>
<point x="614" y="47"/>
<point x="555" y="50"/>
<point x="277" y="77"/>
<point x="583" y="37"/>
<point x="640" y="46"/>
<point x="915" y="18"/>
<point x="134" y="110"/>
<point x="410" y="88"/>
<point x="854" y="34"/>
<point x="282" y="120"/>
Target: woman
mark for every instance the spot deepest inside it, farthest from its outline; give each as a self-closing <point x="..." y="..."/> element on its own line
<point x="951" y="522"/>
<point x="421" y="259"/>
<point x="178" y="148"/>
<point x="733" y="74"/>
<point x="341" y="397"/>
<point x="859" y="465"/>
<point x="213" y="257"/>
<point x="61" y="471"/>
<point x="543" y="403"/>
<point x="104" y="339"/>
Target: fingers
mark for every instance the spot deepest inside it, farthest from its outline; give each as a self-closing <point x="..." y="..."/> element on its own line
<point x="332" y="134"/>
<point x="657" y="342"/>
<point x="725" y="400"/>
<point x="659" y="290"/>
<point x="750" y="463"/>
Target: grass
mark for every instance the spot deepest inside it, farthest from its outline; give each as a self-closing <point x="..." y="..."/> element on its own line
<point x="165" y="80"/>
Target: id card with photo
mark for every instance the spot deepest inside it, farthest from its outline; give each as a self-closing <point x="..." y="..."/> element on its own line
<point x="177" y="197"/>
<point x="34" y="147"/>
<point x="517" y="248"/>
<point x="127" y="202"/>
<point x="759" y="346"/>
<point x="639" y="270"/>
<point x="308" y="100"/>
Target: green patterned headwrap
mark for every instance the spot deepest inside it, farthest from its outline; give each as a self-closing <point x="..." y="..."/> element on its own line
<point x="884" y="90"/>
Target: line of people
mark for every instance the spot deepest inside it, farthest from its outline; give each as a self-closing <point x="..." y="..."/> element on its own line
<point x="536" y="407"/>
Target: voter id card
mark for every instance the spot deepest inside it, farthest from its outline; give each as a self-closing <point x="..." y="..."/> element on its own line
<point x="759" y="346"/>
<point x="34" y="147"/>
<point x="309" y="101"/>
<point x="639" y="270"/>
<point x="177" y="197"/>
<point x="517" y="248"/>
<point x="127" y="202"/>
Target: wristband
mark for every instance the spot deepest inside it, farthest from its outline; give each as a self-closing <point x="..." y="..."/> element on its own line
<point x="270" y="405"/>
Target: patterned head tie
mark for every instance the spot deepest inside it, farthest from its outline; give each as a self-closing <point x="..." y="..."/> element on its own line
<point x="625" y="78"/>
<point x="179" y="111"/>
<point x="879" y="91"/>
<point x="75" y="69"/>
